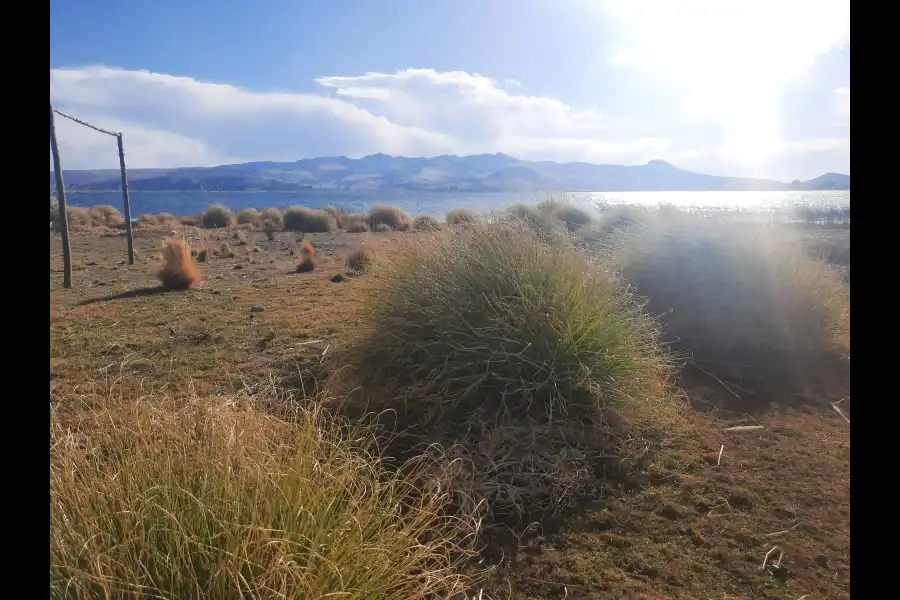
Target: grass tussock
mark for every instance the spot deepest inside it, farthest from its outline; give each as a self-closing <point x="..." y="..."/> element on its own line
<point x="307" y="220"/>
<point x="248" y="216"/>
<point x="355" y="223"/>
<point x="539" y="222"/>
<point x="178" y="271"/>
<point x="159" y="220"/>
<point x="741" y="298"/>
<point x="461" y="216"/>
<point x="571" y="216"/>
<point x="217" y="217"/>
<point x="308" y="260"/>
<point x="393" y="217"/>
<point x="539" y="342"/>
<point x="362" y="258"/>
<point x="426" y="223"/>
<point x="211" y="498"/>
<point x="89" y="218"/>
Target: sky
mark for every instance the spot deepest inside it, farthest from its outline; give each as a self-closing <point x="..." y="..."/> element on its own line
<point x="726" y="87"/>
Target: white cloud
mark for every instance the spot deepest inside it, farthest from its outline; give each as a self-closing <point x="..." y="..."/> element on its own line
<point x="842" y="103"/>
<point x="171" y="121"/>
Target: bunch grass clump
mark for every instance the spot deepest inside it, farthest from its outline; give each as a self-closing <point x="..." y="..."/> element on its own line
<point x="308" y="260"/>
<point x="248" y="216"/>
<point x="361" y="258"/>
<point x="217" y="217"/>
<point x="425" y="223"/>
<point x="741" y="298"/>
<point x="461" y="216"/>
<point x="493" y="331"/>
<point x="307" y="220"/>
<point x="356" y="222"/>
<point x="212" y="498"/>
<point x="178" y="271"/>
<point x="392" y="216"/>
<point x="571" y="216"/>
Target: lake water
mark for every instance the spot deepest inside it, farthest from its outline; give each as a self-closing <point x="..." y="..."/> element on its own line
<point x="438" y="203"/>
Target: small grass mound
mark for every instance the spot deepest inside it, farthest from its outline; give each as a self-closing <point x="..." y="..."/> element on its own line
<point x="461" y="216"/>
<point x="178" y="271"/>
<point x="426" y="223"/>
<point x="493" y="341"/>
<point x="159" y="220"/>
<point x="742" y="299"/>
<point x="211" y="498"/>
<point x="105" y="215"/>
<point x="361" y="258"/>
<point x="248" y="216"/>
<point x="337" y="213"/>
<point x="356" y="223"/>
<point x="540" y="223"/>
<point x="308" y="260"/>
<point x="391" y="216"/>
<point x="306" y="220"/>
<point x="271" y="217"/>
<point x="217" y="217"/>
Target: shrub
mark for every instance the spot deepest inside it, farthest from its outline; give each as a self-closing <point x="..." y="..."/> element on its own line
<point x="337" y="213"/>
<point x="391" y="216"/>
<point x="461" y="216"/>
<point x="217" y="216"/>
<point x="490" y="338"/>
<point x="425" y="223"/>
<point x="248" y="216"/>
<point x="191" y="221"/>
<point x="383" y="228"/>
<point x="539" y="222"/>
<point x="356" y="222"/>
<point x="159" y="220"/>
<point x="202" y="255"/>
<point x="105" y="215"/>
<point x="198" y="498"/>
<point x="361" y="258"/>
<point x="272" y="216"/>
<point x="741" y="299"/>
<point x="305" y="220"/>
<point x="178" y="270"/>
<point x="308" y="260"/>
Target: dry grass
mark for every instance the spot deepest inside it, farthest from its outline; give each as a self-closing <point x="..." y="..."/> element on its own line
<point x="106" y="215"/>
<point x="308" y="260"/>
<point x="248" y="216"/>
<point x="87" y="218"/>
<point x="361" y="258"/>
<point x="568" y="214"/>
<point x="426" y="223"/>
<point x="217" y="217"/>
<point x="540" y="223"/>
<point x="306" y="220"/>
<point x="741" y="298"/>
<point x="461" y="216"/>
<point x="194" y="497"/>
<point x="159" y="220"/>
<point x="391" y="216"/>
<point x="355" y="222"/>
<point x="493" y="341"/>
<point x="178" y="271"/>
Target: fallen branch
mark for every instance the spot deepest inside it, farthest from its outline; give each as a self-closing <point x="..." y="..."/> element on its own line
<point x="721" y="450"/>
<point x="745" y="428"/>
<point x="788" y="530"/>
<point x="722" y="383"/>
<point x="777" y="563"/>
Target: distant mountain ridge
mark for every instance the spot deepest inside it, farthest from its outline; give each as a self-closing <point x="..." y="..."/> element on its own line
<point x="483" y="172"/>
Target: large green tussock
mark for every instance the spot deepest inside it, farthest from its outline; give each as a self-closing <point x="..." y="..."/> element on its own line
<point x="490" y="332"/>
<point x="203" y="499"/>
<point x="741" y="298"/>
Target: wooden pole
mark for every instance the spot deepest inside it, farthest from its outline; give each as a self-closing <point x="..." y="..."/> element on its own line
<point x="61" y="199"/>
<point x="128" y="228"/>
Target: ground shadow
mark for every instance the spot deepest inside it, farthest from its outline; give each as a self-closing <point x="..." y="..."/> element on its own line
<point x="137" y="293"/>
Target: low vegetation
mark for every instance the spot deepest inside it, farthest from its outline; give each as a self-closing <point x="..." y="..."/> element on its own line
<point x="425" y="223"/>
<point x="306" y="220"/>
<point x="178" y="271"/>
<point x="210" y="498"/>
<point x="745" y="303"/>
<point x="391" y="216"/>
<point x="417" y="407"/>
<point x="248" y="216"/>
<point x="461" y="216"/>
<point x="539" y="342"/>
<point x="217" y="217"/>
<point x="361" y="258"/>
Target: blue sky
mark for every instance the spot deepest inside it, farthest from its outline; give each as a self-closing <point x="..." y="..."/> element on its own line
<point x="721" y="86"/>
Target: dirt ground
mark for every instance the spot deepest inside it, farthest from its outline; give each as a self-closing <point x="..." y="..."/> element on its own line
<point x="697" y="523"/>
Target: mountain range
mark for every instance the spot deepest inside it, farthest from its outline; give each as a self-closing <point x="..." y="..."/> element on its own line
<point x="483" y="172"/>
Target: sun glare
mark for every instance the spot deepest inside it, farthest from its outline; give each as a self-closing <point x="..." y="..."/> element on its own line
<point x="729" y="60"/>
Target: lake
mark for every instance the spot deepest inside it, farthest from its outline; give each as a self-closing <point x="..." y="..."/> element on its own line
<point x="438" y="203"/>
